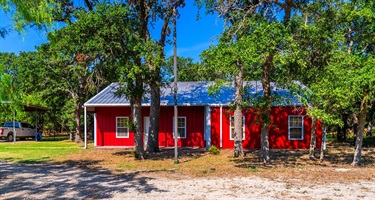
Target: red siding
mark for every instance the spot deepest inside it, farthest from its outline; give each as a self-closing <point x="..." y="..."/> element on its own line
<point x="106" y="126"/>
<point x="278" y="135"/>
<point x="194" y="126"/>
<point x="279" y="130"/>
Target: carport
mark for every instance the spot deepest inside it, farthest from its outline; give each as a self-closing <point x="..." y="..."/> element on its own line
<point x="39" y="110"/>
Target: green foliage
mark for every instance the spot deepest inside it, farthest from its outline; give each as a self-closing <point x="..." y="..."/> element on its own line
<point x="188" y="70"/>
<point x="214" y="150"/>
<point x="339" y="72"/>
<point x="26" y="12"/>
<point x="10" y="89"/>
<point x="82" y="58"/>
<point x="251" y="49"/>
<point x="253" y="169"/>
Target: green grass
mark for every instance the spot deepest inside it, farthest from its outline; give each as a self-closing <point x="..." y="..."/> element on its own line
<point x="36" y="152"/>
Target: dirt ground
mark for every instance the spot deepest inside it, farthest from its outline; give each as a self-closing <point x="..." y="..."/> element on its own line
<point x="115" y="174"/>
<point x="48" y="181"/>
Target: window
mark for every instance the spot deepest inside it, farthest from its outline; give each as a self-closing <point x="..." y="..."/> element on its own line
<point x="295" y="127"/>
<point x="122" y="129"/>
<point x="10" y="125"/>
<point x="181" y="127"/>
<point x="232" y="127"/>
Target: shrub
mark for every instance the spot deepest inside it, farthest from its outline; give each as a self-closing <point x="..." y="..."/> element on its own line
<point x="214" y="150"/>
<point x="253" y="169"/>
<point x="136" y="154"/>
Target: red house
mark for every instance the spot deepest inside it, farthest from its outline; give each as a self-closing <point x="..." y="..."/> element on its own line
<point x="204" y="119"/>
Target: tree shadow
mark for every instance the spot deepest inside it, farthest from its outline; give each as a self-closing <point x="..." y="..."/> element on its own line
<point x="168" y="153"/>
<point x="338" y="154"/>
<point x="69" y="179"/>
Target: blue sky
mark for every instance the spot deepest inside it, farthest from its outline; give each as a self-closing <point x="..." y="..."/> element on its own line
<point x="193" y="36"/>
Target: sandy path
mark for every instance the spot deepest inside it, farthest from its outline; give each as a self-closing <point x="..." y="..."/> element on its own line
<point x="22" y="181"/>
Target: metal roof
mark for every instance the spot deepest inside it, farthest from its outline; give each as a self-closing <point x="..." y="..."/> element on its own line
<point x="194" y="94"/>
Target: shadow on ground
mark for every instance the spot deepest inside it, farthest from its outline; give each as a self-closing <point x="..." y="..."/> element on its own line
<point x="338" y="154"/>
<point x="69" y="180"/>
<point x="168" y="153"/>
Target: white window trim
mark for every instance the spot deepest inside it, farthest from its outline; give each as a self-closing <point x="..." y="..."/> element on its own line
<point x="243" y="128"/>
<point x="183" y="117"/>
<point x="121" y="127"/>
<point x="302" y="127"/>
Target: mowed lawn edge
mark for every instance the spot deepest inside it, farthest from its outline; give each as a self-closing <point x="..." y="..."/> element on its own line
<point x="33" y="152"/>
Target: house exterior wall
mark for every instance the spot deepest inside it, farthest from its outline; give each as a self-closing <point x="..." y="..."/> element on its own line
<point x="278" y="134"/>
<point x="106" y="126"/>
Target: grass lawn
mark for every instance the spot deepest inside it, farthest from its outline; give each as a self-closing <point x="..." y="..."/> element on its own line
<point x="36" y="152"/>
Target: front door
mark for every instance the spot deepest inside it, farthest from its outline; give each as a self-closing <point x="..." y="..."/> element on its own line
<point x="146" y="125"/>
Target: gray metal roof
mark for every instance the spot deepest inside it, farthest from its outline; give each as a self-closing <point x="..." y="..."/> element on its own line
<point x="194" y="94"/>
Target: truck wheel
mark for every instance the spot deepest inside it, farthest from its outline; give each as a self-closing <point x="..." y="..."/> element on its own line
<point x="10" y="137"/>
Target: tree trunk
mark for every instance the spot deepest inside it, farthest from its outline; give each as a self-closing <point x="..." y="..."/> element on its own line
<point x="136" y="109"/>
<point x="153" y="134"/>
<point x="77" y="116"/>
<point x="313" y="139"/>
<point x="361" y="127"/>
<point x="369" y="128"/>
<point x="355" y="123"/>
<point x="371" y="118"/>
<point x="345" y="128"/>
<point x="323" y="143"/>
<point x="266" y="109"/>
<point x="338" y="133"/>
<point x="238" y="130"/>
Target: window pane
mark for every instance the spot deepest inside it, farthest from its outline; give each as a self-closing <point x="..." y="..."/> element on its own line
<point x="296" y="133"/>
<point x="295" y="121"/>
<point x="292" y="121"/>
<point x="232" y="122"/>
<point x="121" y="122"/>
<point x="181" y="122"/>
<point x="181" y="132"/>
<point x="122" y="132"/>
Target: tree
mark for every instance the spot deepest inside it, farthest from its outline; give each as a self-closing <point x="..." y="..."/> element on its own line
<point x="147" y="13"/>
<point x="24" y="12"/>
<point x="188" y="70"/>
<point x="10" y="93"/>
<point x="79" y="55"/>
<point x="315" y="36"/>
<point x="258" y="19"/>
<point x="353" y="62"/>
<point x="342" y="54"/>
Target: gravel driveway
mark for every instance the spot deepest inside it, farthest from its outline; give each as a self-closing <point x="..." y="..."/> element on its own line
<point x="24" y="181"/>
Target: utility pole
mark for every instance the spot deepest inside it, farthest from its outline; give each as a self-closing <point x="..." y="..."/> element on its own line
<point x="175" y="86"/>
